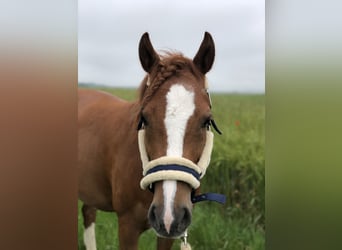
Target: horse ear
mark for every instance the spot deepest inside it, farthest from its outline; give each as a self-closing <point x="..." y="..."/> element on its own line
<point x="204" y="58"/>
<point x="148" y="57"/>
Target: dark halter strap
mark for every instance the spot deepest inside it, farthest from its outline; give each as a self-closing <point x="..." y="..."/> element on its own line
<point x="175" y="167"/>
<point x="220" y="198"/>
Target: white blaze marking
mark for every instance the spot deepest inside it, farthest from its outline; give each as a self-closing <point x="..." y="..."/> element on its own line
<point x="169" y="190"/>
<point x="89" y="237"/>
<point x="180" y="106"/>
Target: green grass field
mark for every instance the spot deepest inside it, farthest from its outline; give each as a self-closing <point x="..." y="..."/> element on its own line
<point x="237" y="170"/>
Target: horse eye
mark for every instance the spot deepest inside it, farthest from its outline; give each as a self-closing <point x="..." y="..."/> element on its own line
<point x="142" y="122"/>
<point x="207" y="123"/>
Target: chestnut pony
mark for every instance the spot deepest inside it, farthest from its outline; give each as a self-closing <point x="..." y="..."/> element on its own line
<point x="168" y="153"/>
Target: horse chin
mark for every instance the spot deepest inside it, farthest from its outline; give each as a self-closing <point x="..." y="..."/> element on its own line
<point x="164" y="234"/>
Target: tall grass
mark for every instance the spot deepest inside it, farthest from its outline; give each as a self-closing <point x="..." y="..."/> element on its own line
<point x="237" y="165"/>
<point x="236" y="170"/>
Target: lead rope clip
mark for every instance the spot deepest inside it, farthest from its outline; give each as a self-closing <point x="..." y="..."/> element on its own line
<point x="184" y="244"/>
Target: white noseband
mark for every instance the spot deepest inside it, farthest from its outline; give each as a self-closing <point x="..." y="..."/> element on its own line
<point x="174" y="168"/>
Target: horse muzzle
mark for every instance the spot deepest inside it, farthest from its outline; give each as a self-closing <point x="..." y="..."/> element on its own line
<point x="178" y="226"/>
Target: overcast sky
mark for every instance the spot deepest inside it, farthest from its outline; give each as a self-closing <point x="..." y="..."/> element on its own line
<point x="109" y="33"/>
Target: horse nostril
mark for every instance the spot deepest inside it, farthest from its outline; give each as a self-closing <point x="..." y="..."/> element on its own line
<point x="152" y="217"/>
<point x="185" y="219"/>
<point x="151" y="213"/>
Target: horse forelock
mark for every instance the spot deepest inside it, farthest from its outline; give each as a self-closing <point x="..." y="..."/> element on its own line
<point x="171" y="64"/>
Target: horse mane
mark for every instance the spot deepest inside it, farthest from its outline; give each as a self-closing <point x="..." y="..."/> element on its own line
<point x="170" y="64"/>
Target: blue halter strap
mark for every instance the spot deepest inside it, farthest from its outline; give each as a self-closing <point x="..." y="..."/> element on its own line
<point x="220" y="198"/>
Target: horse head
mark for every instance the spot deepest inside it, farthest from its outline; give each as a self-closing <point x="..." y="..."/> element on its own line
<point x="175" y="140"/>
